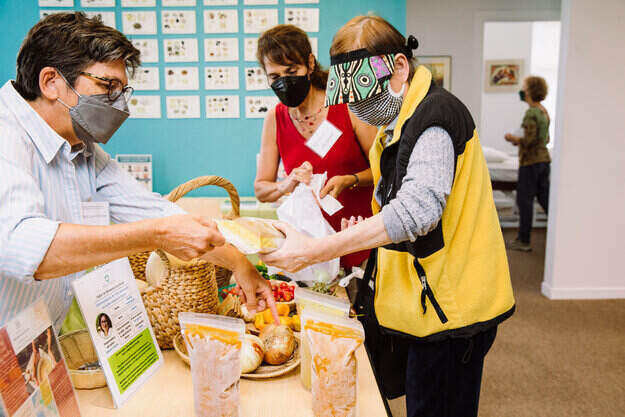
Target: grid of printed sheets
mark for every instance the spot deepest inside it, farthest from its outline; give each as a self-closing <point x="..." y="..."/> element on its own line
<point x="194" y="50"/>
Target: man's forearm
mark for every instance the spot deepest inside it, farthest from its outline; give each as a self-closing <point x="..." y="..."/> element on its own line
<point x="77" y="247"/>
<point x="228" y="257"/>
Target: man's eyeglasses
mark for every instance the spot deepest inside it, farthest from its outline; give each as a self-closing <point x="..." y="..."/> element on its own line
<point x="115" y="87"/>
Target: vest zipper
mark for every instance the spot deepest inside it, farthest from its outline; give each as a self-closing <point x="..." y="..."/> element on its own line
<point x="426" y="291"/>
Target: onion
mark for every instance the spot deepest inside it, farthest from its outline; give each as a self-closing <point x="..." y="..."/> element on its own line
<point x="252" y="352"/>
<point x="155" y="270"/>
<point x="279" y="343"/>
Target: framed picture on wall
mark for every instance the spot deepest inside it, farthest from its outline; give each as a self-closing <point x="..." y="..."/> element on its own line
<point x="440" y="67"/>
<point x="503" y="75"/>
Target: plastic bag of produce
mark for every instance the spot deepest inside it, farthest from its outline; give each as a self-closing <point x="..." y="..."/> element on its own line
<point x="333" y="342"/>
<point x="251" y="235"/>
<point x="302" y="211"/>
<point x="214" y="346"/>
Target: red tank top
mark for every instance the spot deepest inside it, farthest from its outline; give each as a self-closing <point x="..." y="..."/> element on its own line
<point x="346" y="157"/>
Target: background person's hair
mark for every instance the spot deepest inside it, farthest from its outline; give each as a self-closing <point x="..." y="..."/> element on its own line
<point x="536" y="88"/>
<point x="372" y="33"/>
<point x="69" y="42"/>
<point x="288" y="45"/>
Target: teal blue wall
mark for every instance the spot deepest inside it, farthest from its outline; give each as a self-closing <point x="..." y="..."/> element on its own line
<point x="186" y="148"/>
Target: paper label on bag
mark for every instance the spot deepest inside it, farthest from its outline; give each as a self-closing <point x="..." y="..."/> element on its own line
<point x="324" y="138"/>
<point x="330" y="204"/>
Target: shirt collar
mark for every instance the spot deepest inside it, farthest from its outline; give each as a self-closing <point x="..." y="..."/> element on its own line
<point x="47" y="141"/>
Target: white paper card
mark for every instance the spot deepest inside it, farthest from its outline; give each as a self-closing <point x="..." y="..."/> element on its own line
<point x="220" y="2"/>
<point x="44" y="13"/>
<point x="222" y="107"/>
<point x="145" y="78"/>
<point x="256" y="107"/>
<point x="182" y="78"/>
<point x="181" y="50"/>
<point x="139" y="23"/>
<point x="138" y="166"/>
<point x="251" y="45"/>
<point x="221" y="78"/>
<point x="97" y="3"/>
<point x="259" y="2"/>
<point x="330" y="204"/>
<point x="144" y="107"/>
<point x="255" y="79"/>
<point x="95" y="213"/>
<point x="183" y="107"/>
<point x="178" y="21"/>
<point x="259" y="20"/>
<point x="138" y="3"/>
<point x="148" y="49"/>
<point x="56" y="3"/>
<point x="306" y="19"/>
<point x="221" y="21"/>
<point x="175" y="3"/>
<point x="119" y="327"/>
<point x="301" y="1"/>
<point x="324" y="138"/>
<point x="221" y="49"/>
<point x="108" y="18"/>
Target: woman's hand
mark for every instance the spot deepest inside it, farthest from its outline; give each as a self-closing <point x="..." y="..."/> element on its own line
<point x="353" y="221"/>
<point x="336" y="185"/>
<point x="296" y="253"/>
<point x="303" y="173"/>
<point x="256" y="291"/>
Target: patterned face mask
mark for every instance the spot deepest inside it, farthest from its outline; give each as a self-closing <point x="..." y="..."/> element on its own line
<point x="357" y="76"/>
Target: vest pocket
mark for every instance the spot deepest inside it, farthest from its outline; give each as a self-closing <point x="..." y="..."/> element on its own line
<point x="428" y="294"/>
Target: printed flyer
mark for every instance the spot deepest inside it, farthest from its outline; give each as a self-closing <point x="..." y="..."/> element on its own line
<point x="119" y="327"/>
<point x="34" y="380"/>
<point x="138" y="166"/>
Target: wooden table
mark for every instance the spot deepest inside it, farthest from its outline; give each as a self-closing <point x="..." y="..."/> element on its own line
<point x="170" y="394"/>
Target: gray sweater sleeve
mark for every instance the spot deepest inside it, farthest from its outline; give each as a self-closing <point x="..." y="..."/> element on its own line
<point x="420" y="201"/>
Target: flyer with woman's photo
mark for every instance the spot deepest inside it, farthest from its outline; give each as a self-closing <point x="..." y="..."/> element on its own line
<point x="119" y="327"/>
<point x="34" y="380"/>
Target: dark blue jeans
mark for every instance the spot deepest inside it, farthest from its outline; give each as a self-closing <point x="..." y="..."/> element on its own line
<point x="533" y="183"/>
<point x="443" y="379"/>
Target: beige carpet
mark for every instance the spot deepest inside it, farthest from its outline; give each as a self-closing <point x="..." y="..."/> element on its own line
<point x="553" y="358"/>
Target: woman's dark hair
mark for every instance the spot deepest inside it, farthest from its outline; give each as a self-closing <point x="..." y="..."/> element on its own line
<point x="536" y="88"/>
<point x="288" y="45"/>
<point x="106" y="318"/>
<point x="69" y="42"/>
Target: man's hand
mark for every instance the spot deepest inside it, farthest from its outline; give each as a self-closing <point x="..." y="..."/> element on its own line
<point x="255" y="291"/>
<point x="187" y="237"/>
<point x="336" y="185"/>
<point x="512" y="139"/>
<point x="352" y="221"/>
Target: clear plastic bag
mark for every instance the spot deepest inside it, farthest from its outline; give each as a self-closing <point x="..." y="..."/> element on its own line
<point x="307" y="299"/>
<point x="251" y="235"/>
<point x="333" y="342"/>
<point x="214" y="346"/>
<point x="302" y="211"/>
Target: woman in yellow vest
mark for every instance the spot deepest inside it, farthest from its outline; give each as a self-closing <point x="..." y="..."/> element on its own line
<point x="438" y="284"/>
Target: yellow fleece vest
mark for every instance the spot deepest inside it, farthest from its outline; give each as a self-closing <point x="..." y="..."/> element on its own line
<point x="469" y="276"/>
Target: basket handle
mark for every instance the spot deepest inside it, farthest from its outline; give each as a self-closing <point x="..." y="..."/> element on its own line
<point x="198" y="182"/>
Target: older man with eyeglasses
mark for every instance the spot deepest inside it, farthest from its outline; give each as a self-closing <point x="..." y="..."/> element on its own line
<point x="70" y="94"/>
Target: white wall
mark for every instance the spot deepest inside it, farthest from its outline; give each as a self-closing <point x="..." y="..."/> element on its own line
<point x="587" y="205"/>
<point x="502" y="112"/>
<point x="455" y="27"/>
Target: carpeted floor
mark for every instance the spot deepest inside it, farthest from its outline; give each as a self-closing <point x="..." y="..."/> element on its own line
<point x="553" y="358"/>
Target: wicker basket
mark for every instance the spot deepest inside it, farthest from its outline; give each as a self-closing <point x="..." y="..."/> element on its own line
<point x="78" y="351"/>
<point x="189" y="286"/>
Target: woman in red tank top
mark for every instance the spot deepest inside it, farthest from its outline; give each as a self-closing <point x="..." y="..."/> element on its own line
<point x="299" y="82"/>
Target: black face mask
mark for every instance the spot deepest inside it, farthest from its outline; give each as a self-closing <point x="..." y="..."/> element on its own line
<point x="292" y="89"/>
<point x="522" y="95"/>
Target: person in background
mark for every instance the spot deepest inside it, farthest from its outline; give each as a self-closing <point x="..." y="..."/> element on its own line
<point x="534" y="160"/>
<point x="297" y="79"/>
<point x="441" y="282"/>
<point x="70" y="95"/>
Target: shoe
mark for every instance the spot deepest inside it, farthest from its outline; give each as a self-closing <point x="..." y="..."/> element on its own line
<point x="516" y="244"/>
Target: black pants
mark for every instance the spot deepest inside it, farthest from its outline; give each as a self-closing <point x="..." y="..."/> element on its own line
<point x="533" y="182"/>
<point x="443" y="379"/>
